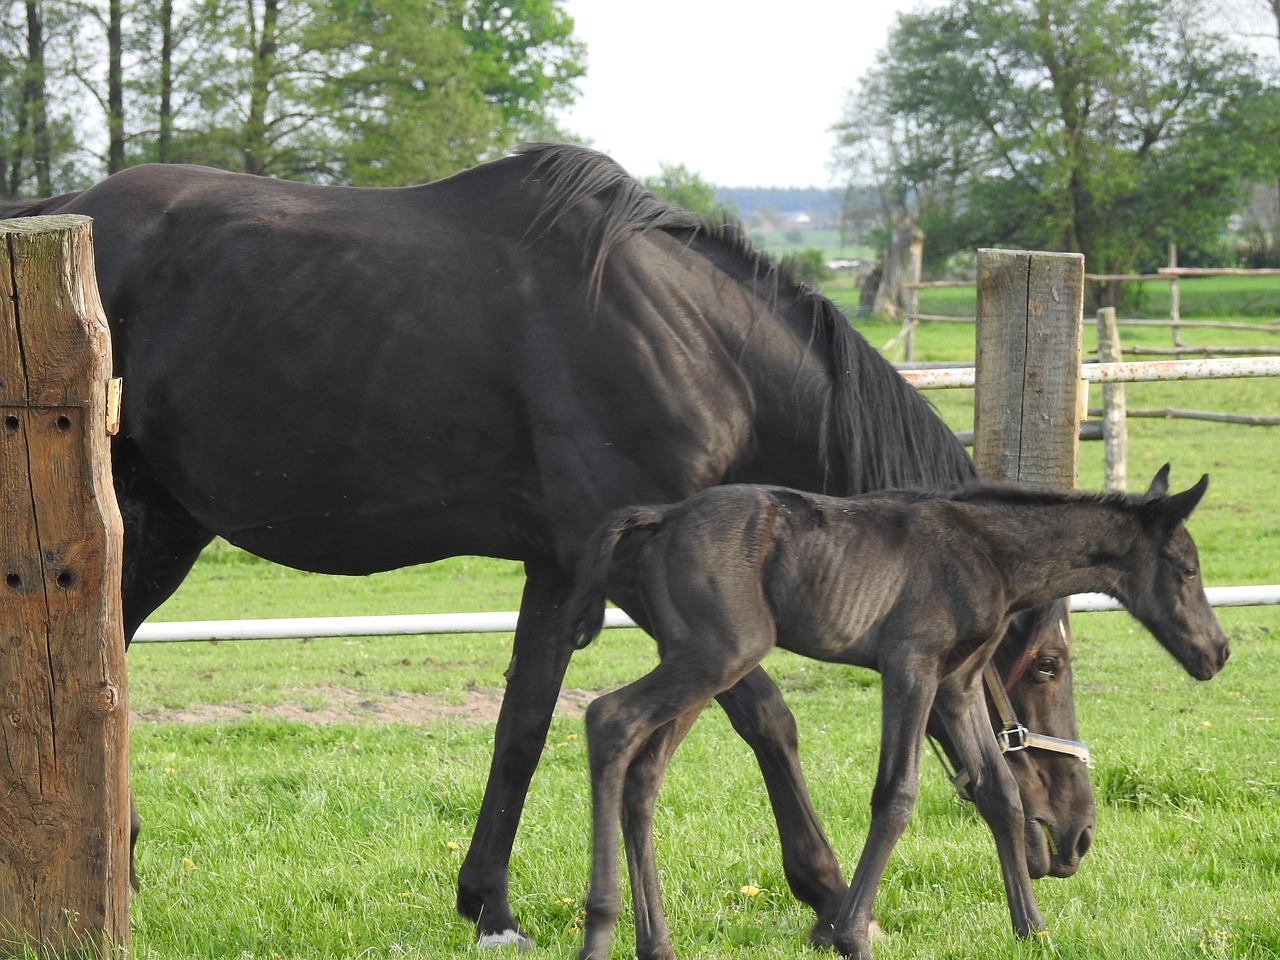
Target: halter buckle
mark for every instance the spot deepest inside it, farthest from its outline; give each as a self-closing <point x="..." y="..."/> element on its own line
<point x="1012" y="739"/>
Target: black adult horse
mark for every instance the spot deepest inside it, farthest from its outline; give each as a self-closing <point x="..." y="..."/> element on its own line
<point x="351" y="380"/>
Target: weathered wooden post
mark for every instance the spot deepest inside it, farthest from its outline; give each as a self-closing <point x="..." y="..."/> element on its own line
<point x="1115" y="429"/>
<point x="1026" y="415"/>
<point x="64" y="793"/>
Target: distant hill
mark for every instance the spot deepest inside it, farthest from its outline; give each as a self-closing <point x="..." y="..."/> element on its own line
<point x="817" y="203"/>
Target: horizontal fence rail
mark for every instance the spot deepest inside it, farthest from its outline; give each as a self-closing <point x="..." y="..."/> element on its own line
<point x="1128" y="372"/>
<point x="298" y="628"/>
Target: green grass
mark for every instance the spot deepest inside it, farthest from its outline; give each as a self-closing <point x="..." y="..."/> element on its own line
<point x="269" y="838"/>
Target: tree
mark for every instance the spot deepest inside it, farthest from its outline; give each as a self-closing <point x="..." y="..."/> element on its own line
<point x="680" y="185"/>
<point x="349" y="91"/>
<point x="1106" y="127"/>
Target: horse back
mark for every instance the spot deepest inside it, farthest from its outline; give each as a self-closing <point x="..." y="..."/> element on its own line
<point x="351" y="379"/>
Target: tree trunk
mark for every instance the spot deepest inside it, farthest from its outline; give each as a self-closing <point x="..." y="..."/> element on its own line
<point x="33" y="99"/>
<point x="166" y="81"/>
<point x="264" y="55"/>
<point x="888" y="302"/>
<point x="115" y="90"/>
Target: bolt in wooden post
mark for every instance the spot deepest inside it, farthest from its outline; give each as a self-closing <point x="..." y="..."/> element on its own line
<point x="1026" y="414"/>
<point x="64" y="750"/>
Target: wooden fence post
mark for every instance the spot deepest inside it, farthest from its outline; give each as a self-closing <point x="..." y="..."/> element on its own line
<point x="1115" y="430"/>
<point x="64" y="792"/>
<point x="1026" y="414"/>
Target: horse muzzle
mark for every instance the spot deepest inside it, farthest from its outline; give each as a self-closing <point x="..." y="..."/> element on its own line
<point x="1056" y="853"/>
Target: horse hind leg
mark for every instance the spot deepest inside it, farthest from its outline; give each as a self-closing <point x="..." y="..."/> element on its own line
<point x="161" y="543"/>
<point x="538" y="665"/>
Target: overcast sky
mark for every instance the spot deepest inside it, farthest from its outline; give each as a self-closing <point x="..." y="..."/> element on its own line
<point x="742" y="94"/>
<point x="745" y="96"/>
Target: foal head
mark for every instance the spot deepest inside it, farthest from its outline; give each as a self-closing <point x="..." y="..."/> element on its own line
<point x="1160" y="579"/>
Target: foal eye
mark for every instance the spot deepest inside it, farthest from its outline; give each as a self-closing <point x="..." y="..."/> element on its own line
<point x="1046" y="668"/>
<point x="1190" y="573"/>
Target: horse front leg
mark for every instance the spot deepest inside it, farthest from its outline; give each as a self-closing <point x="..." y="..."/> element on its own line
<point x="761" y="717"/>
<point x="537" y="670"/>
<point x="907" y="692"/>
<point x="995" y="794"/>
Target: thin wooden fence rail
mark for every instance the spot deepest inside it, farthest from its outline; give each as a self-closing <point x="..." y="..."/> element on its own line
<point x="1128" y="372"/>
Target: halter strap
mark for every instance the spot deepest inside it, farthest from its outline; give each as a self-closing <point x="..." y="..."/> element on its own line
<point x="1012" y="735"/>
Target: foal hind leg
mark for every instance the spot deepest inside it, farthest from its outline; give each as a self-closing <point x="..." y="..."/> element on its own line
<point x="640" y="791"/>
<point x="760" y="716"/>
<point x="533" y="685"/>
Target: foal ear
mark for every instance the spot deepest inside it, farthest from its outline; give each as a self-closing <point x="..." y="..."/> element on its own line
<point x="1160" y="483"/>
<point x="1168" y="512"/>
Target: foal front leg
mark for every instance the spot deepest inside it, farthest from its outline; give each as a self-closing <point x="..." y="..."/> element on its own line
<point x="906" y="695"/>
<point x="995" y="794"/>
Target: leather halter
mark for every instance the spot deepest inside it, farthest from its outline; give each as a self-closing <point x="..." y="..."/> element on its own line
<point x="1012" y="735"/>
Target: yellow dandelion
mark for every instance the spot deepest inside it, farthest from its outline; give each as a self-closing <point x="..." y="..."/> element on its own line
<point x="750" y="889"/>
<point x="453" y="845"/>
<point x="188" y="862"/>
<point x="169" y="770"/>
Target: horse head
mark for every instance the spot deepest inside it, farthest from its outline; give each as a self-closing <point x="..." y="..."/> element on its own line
<point x="1160" y="582"/>
<point x="1035" y="696"/>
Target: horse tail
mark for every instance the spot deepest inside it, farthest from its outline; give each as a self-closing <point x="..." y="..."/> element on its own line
<point x="584" y="610"/>
<point x="15" y="209"/>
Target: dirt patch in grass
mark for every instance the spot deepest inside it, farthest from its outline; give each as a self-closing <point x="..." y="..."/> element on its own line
<point x="344" y="705"/>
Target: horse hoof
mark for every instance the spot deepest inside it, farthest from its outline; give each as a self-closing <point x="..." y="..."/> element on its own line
<point x="507" y="938"/>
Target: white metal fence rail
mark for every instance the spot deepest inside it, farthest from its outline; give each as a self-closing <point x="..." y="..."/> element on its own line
<point x="505" y="621"/>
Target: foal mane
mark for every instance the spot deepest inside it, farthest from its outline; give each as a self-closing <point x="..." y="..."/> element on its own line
<point x="880" y="433"/>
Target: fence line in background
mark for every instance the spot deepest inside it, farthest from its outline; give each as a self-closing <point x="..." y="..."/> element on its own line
<point x="301" y="628"/>
<point x="1136" y="371"/>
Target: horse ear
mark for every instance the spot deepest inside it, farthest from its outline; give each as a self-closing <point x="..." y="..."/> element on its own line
<point x="1168" y="512"/>
<point x="1160" y="483"/>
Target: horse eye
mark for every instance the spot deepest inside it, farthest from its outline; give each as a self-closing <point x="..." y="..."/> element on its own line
<point x="1190" y="573"/>
<point x="1046" y="668"/>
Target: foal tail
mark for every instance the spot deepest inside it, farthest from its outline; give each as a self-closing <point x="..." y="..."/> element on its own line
<point x="584" y="610"/>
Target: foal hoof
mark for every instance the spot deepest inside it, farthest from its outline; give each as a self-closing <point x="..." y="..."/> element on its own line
<point x="507" y="938"/>
<point x="823" y="933"/>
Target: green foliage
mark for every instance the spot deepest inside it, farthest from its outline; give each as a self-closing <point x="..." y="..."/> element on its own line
<point x="681" y="186"/>
<point x="1098" y="127"/>
<point x="348" y="91"/>
<point x="808" y="265"/>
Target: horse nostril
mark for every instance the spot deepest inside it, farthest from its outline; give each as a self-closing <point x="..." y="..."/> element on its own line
<point x="1084" y="842"/>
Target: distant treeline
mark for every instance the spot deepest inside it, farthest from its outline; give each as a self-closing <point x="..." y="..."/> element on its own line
<point x="811" y="200"/>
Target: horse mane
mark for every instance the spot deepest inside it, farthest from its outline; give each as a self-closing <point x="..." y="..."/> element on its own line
<point x="1020" y="494"/>
<point x="868" y="399"/>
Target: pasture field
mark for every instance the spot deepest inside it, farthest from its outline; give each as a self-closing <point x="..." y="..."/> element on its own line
<point x="313" y="799"/>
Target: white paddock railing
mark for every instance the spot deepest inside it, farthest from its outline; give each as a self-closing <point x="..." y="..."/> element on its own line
<point x="505" y="621"/>
<point x="1137" y="371"/>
